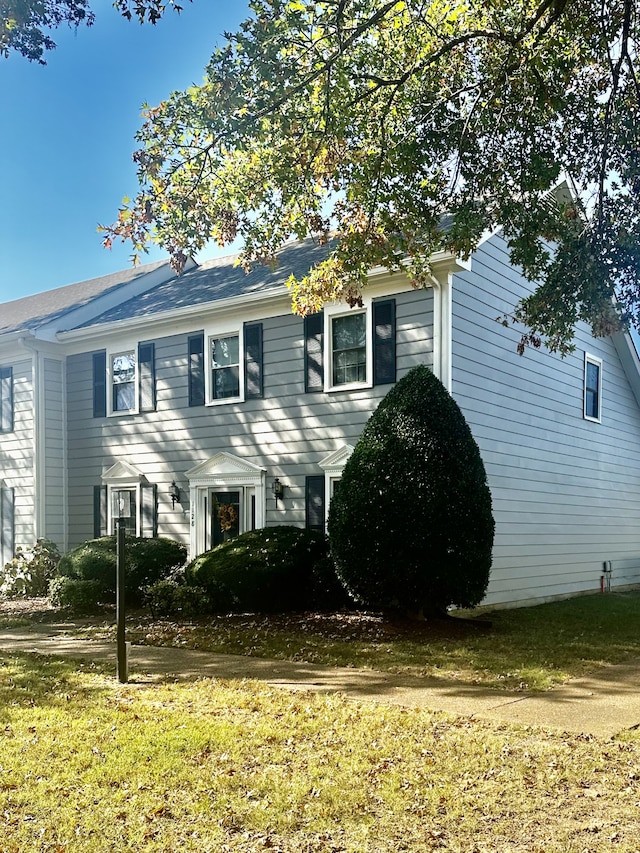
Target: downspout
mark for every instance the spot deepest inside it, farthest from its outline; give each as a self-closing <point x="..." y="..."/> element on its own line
<point x="442" y="329"/>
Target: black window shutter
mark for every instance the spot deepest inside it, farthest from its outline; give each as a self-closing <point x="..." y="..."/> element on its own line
<point x="99" y="511"/>
<point x="6" y="399"/>
<point x="196" y="370"/>
<point x="149" y="509"/>
<point x="7" y="524"/>
<point x="313" y="352"/>
<point x="384" y="342"/>
<point x="99" y="384"/>
<point x="314" y="503"/>
<point x="253" y="384"/>
<point x="147" y="377"/>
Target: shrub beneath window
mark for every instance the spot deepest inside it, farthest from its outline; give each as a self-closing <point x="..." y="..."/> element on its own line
<point x="79" y="596"/>
<point x="146" y="561"/>
<point x="262" y="571"/>
<point x="172" y="599"/>
<point x="30" y="571"/>
<point x="411" y="524"/>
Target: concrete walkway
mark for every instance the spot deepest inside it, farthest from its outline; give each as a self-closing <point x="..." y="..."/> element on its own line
<point x="602" y="704"/>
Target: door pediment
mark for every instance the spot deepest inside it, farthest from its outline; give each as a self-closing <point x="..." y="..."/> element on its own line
<point x="225" y="468"/>
<point x="123" y="472"/>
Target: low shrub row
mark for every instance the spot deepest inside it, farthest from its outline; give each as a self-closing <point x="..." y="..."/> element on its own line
<point x="276" y="569"/>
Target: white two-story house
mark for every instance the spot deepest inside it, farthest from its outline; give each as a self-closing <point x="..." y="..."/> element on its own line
<point x="157" y="398"/>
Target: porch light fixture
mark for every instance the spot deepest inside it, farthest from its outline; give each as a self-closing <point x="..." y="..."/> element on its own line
<point x="174" y="494"/>
<point x="278" y="490"/>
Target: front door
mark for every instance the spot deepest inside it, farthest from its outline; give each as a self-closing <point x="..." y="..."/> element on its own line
<point x="225" y="515"/>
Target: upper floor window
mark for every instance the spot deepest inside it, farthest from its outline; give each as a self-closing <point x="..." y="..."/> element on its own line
<point x="592" y="388"/>
<point x="123" y="382"/>
<point x="349" y="349"/>
<point x="346" y="349"/>
<point x="225" y="367"/>
<point x="6" y="399"/>
<point x="349" y="360"/>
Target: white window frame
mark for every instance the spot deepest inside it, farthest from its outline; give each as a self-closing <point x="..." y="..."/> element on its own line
<point x="592" y="359"/>
<point x="123" y="476"/>
<point x="111" y="518"/>
<point x="209" y="335"/>
<point x="331" y="312"/>
<point x="333" y="465"/>
<point x="114" y="353"/>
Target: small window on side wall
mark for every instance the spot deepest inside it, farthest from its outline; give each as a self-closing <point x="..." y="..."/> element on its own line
<point x="6" y="400"/>
<point x="592" y="388"/>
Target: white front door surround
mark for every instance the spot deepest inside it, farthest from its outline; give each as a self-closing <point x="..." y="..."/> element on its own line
<point x="224" y="473"/>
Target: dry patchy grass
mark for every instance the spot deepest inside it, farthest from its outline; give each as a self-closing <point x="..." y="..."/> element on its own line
<point x="89" y="766"/>
<point x="529" y="649"/>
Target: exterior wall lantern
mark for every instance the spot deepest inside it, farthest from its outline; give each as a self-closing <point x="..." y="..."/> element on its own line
<point x="174" y="494"/>
<point x="278" y="490"/>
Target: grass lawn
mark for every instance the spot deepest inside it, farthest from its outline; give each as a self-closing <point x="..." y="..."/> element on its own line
<point x="530" y="648"/>
<point x="89" y="765"/>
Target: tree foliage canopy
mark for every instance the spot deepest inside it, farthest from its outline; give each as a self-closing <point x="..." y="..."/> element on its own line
<point x="24" y="24"/>
<point x="376" y="118"/>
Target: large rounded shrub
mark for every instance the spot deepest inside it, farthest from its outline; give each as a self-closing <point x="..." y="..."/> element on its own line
<point x="411" y="525"/>
<point x="146" y="561"/>
<point x="271" y="570"/>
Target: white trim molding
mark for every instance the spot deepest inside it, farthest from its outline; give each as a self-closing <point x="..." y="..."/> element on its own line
<point x="223" y="470"/>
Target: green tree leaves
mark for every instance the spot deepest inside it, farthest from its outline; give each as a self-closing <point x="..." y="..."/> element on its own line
<point x="375" y="120"/>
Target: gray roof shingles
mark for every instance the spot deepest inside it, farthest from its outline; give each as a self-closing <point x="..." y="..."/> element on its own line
<point x="31" y="312"/>
<point x="215" y="280"/>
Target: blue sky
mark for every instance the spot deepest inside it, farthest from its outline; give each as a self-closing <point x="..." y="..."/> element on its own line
<point x="68" y="134"/>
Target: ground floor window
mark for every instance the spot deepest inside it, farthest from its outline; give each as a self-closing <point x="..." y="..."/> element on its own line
<point x="125" y="493"/>
<point x="124" y="504"/>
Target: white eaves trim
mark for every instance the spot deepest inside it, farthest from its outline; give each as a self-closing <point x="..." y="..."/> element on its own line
<point x="253" y="306"/>
<point x="630" y="362"/>
<point x="115" y="296"/>
<point x="172" y="316"/>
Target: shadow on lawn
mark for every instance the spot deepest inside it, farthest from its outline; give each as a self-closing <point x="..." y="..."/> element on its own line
<point x="31" y="679"/>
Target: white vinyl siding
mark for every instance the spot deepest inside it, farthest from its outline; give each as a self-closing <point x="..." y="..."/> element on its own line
<point x="566" y="497"/>
<point x="17" y="454"/>
<point x="286" y="431"/>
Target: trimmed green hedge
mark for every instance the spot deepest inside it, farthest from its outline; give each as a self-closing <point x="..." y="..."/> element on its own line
<point x="146" y="561"/>
<point x="410" y="524"/>
<point x="274" y="569"/>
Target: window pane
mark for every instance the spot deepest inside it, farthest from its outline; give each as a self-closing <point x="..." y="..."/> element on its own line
<point x="123" y="367"/>
<point x="226" y="382"/>
<point x="349" y="349"/>
<point x="225" y="367"/>
<point x="225" y="351"/>
<point x="123" y="505"/>
<point x="124" y="397"/>
<point x="123" y="374"/>
<point x="592" y="389"/>
<point x="349" y="331"/>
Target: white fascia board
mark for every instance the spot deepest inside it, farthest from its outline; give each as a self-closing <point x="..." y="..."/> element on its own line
<point x="18" y="346"/>
<point x="630" y="362"/>
<point x="13" y="346"/>
<point x="100" y="304"/>
<point x="174" y="321"/>
<point x="244" y="307"/>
